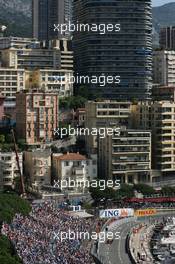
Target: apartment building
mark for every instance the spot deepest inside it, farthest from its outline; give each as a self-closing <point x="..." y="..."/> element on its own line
<point x="160" y="93"/>
<point x="79" y="117"/>
<point x="164" y="67"/>
<point x="46" y="65"/>
<point x="66" y="50"/>
<point x="15" y="42"/>
<point x="125" y="157"/>
<point x="163" y="126"/>
<point x="31" y="58"/>
<point x="142" y="115"/>
<point x="126" y="52"/>
<point x="75" y="167"/>
<point x="10" y="108"/>
<point x="59" y="81"/>
<point x="9" y="169"/>
<point x="104" y="114"/>
<point x="36" y="116"/>
<point x="159" y="116"/>
<point x="11" y="81"/>
<point x="47" y="13"/>
<point x="56" y="54"/>
<point x="167" y="38"/>
<point x="37" y="168"/>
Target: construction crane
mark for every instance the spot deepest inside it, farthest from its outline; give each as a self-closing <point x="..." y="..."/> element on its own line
<point x="23" y="193"/>
<point x="22" y="186"/>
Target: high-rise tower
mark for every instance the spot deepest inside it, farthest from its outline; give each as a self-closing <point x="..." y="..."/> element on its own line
<point x="126" y="53"/>
<point x="46" y="13"/>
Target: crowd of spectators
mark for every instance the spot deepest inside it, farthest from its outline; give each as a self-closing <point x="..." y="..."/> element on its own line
<point x="34" y="239"/>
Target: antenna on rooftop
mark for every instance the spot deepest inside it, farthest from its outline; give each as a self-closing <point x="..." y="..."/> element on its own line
<point x="2" y="30"/>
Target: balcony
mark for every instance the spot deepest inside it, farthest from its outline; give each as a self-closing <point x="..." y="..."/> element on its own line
<point x="116" y="151"/>
<point x="76" y="171"/>
<point x="130" y="161"/>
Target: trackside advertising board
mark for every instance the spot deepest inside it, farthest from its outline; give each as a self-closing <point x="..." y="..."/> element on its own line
<point x="146" y="212"/>
<point x="109" y="213"/>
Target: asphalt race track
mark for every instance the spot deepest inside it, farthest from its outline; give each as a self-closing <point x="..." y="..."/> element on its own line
<point x="116" y="252"/>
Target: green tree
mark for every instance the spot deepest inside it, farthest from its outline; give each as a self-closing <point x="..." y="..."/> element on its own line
<point x="144" y="189"/>
<point x="72" y="102"/>
<point x="22" y="144"/>
<point x="168" y="190"/>
<point x="7" y="253"/>
<point x="7" y="147"/>
<point x="83" y="91"/>
<point x="96" y="193"/>
<point x="78" y="102"/>
<point x="125" y="190"/>
<point x="9" y="138"/>
<point x="2" y="139"/>
<point x="64" y="103"/>
<point x="10" y="204"/>
<point x="17" y="185"/>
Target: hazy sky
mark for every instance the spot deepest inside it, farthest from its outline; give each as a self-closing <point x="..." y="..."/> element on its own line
<point x="161" y="2"/>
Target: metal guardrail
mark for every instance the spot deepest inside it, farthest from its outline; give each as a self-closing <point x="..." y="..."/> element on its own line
<point x="143" y="249"/>
<point x="94" y="249"/>
<point x="128" y="249"/>
<point x="100" y="259"/>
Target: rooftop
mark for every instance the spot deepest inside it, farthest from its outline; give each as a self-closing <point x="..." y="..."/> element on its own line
<point x="71" y="156"/>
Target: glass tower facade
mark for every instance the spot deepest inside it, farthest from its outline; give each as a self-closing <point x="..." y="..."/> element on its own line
<point x="127" y="53"/>
<point x="46" y="13"/>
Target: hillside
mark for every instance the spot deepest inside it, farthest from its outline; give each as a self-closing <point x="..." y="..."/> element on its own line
<point x="162" y="16"/>
<point x="16" y="15"/>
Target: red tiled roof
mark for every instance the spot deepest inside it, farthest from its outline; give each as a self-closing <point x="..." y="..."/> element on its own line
<point x="71" y="156"/>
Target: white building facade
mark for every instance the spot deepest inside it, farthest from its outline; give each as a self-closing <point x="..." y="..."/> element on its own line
<point x="9" y="169"/>
<point x="164" y="67"/>
<point x="75" y="170"/>
<point x="37" y="166"/>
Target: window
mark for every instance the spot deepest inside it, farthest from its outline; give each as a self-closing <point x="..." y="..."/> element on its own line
<point x="29" y="134"/>
<point x="66" y="163"/>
